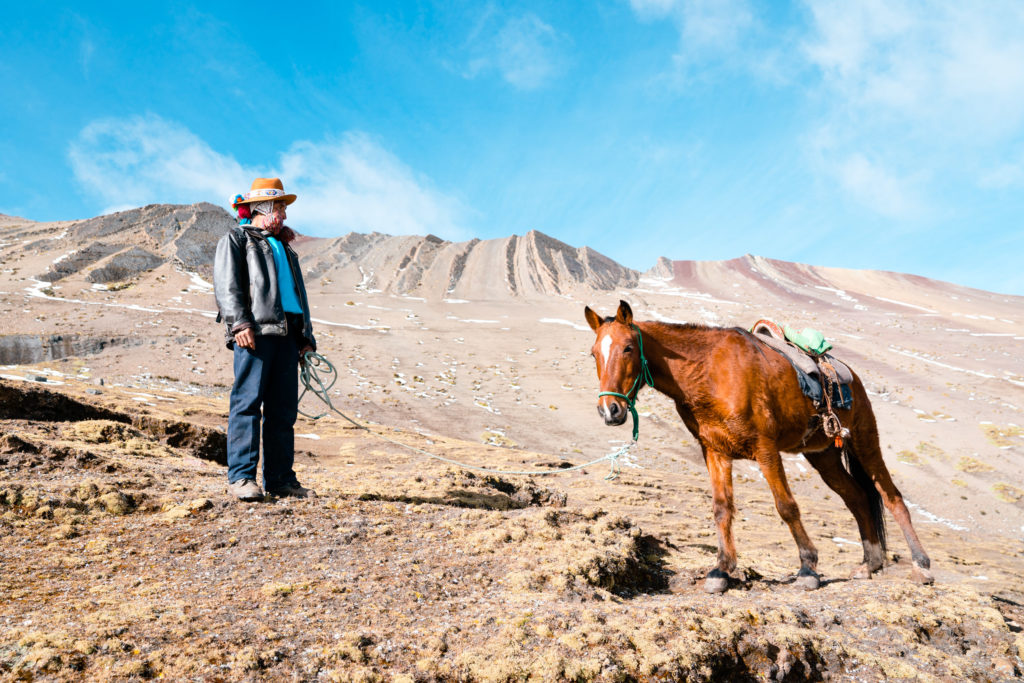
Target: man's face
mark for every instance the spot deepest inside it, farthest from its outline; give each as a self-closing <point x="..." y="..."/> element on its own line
<point x="277" y="217"/>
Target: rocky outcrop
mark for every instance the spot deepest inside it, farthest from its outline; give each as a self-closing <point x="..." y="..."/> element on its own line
<point x="662" y="270"/>
<point x="19" y="349"/>
<point x="139" y="240"/>
<point x="125" y="265"/>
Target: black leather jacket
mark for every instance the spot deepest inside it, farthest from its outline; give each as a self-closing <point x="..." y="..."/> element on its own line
<point x="245" y="284"/>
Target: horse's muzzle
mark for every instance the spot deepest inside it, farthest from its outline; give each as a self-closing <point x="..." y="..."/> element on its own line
<point x="612" y="412"/>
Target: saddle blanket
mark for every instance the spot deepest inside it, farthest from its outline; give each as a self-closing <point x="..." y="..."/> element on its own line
<point x="807" y="371"/>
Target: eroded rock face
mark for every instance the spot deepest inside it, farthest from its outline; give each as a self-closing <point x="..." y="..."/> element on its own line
<point x="24" y="402"/>
<point x="21" y="349"/>
<point x="90" y="423"/>
<point x="125" y="265"/>
<point x="531" y="265"/>
<point x="122" y="245"/>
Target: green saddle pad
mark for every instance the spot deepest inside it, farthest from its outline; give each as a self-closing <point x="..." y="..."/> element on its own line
<point x="810" y="340"/>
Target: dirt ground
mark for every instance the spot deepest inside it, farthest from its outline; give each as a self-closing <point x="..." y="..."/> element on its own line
<point x="124" y="557"/>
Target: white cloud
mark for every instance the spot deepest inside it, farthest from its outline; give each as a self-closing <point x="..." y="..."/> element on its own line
<point x="1004" y="175"/>
<point x="144" y="159"/>
<point x="714" y="34"/>
<point x="654" y="8"/>
<point x="353" y="184"/>
<point x="950" y="66"/>
<point x="878" y="188"/>
<point x="344" y="184"/>
<point x="527" y="52"/>
<point x="918" y="91"/>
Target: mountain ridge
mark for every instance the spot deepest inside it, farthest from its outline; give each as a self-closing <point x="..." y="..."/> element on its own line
<point x="121" y="246"/>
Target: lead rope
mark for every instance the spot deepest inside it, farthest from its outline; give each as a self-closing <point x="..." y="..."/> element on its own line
<point x="313" y="381"/>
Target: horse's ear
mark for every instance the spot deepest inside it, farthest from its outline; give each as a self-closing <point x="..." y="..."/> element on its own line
<point x="624" y="314"/>
<point x="593" y="319"/>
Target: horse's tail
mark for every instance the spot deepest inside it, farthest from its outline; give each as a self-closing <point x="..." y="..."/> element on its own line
<point x="867" y="485"/>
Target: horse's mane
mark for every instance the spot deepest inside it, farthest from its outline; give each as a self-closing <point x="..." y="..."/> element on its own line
<point x="670" y="326"/>
<point x="681" y="327"/>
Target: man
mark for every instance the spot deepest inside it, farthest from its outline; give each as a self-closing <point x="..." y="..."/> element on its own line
<point x="262" y="299"/>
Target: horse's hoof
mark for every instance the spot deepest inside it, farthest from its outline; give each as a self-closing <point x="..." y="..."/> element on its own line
<point x="921" y="575"/>
<point x="861" y="572"/>
<point x="807" y="580"/>
<point x="715" y="584"/>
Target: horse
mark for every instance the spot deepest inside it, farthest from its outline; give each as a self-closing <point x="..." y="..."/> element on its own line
<point x="741" y="400"/>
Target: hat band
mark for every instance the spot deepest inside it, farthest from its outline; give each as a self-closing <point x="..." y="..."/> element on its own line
<point x="269" y="192"/>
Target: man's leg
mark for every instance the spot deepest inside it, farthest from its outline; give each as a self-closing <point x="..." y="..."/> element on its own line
<point x="279" y="412"/>
<point x="244" y="417"/>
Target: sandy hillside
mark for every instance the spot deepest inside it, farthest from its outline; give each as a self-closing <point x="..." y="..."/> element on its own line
<point x="130" y="559"/>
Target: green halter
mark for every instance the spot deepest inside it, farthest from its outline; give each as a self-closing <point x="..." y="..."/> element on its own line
<point x="645" y="376"/>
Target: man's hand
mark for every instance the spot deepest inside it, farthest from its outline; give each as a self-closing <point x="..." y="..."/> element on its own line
<point x="302" y="354"/>
<point x="246" y="338"/>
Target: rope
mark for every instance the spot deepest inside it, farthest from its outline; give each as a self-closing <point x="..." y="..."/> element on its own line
<point x="312" y="381"/>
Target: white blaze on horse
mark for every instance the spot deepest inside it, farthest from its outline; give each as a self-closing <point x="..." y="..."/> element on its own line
<point x="742" y="400"/>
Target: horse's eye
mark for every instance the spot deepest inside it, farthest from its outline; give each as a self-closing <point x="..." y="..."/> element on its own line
<point x="629" y="348"/>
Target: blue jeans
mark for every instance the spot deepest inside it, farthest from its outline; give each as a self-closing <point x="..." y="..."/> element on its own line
<point x="267" y="377"/>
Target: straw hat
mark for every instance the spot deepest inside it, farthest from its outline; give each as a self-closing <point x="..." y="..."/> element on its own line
<point x="264" y="189"/>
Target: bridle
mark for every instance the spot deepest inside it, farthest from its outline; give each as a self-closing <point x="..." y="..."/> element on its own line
<point x="643" y="376"/>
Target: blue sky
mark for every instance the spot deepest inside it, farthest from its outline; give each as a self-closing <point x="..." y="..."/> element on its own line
<point x="874" y="134"/>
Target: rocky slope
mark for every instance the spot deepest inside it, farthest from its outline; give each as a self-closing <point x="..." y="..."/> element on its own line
<point x="120" y="246"/>
<point x="527" y="266"/>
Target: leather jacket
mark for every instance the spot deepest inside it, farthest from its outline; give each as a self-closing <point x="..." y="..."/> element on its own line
<point x="245" y="285"/>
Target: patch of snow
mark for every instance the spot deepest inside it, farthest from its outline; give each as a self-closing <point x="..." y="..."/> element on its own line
<point x="935" y="519"/>
<point x="559" y="321"/>
<point x="198" y="282"/>
<point x="838" y="540"/>
<point x="903" y="303"/>
<point x="63" y="257"/>
<point x="380" y="328"/>
<point x="27" y="379"/>
<point x="661" y="318"/>
<point x="838" y="292"/>
<point x="918" y="356"/>
<point x="36" y="291"/>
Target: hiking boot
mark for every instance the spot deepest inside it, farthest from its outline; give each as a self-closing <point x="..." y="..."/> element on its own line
<point x="245" y="489"/>
<point x="295" y="490"/>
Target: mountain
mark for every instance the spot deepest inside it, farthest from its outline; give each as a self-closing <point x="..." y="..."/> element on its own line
<point x="120" y="246"/>
<point x="773" y="283"/>
<point x="532" y="265"/>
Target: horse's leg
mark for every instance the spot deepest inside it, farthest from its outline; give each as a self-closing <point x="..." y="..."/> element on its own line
<point x="830" y="467"/>
<point x="867" y="450"/>
<point x="771" y="466"/>
<point x="720" y="469"/>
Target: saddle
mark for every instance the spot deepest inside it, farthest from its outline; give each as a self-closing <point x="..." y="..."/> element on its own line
<point x="823" y="378"/>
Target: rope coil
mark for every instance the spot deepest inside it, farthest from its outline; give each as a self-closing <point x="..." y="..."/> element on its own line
<point x="318" y="375"/>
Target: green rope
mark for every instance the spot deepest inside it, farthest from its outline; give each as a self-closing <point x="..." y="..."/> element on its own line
<point x="643" y="376"/>
<point x="312" y="381"/>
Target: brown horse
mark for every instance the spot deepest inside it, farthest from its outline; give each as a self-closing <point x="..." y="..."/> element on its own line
<point x="741" y="400"/>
